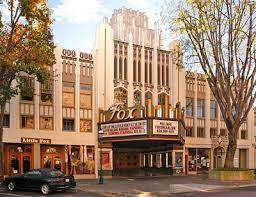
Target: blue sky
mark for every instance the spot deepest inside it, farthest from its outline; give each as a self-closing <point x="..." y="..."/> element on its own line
<point x="75" y="21"/>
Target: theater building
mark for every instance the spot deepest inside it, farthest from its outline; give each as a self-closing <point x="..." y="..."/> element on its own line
<point x="138" y="85"/>
<point x="53" y="126"/>
<point x="133" y="71"/>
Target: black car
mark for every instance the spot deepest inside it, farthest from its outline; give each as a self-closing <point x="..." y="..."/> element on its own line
<point x="45" y="180"/>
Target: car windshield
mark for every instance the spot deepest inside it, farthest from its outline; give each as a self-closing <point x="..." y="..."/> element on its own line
<point x="56" y="173"/>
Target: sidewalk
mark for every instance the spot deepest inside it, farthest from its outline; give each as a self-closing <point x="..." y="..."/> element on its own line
<point x="158" y="185"/>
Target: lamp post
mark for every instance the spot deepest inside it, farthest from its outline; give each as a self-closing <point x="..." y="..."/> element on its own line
<point x="101" y="171"/>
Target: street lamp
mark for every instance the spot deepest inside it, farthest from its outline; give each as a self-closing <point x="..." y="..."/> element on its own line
<point x="101" y="171"/>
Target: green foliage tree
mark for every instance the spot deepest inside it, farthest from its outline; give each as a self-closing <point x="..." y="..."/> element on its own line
<point x="26" y="49"/>
<point x="222" y="34"/>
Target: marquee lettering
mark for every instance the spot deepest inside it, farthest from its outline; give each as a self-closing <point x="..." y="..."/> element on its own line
<point x="121" y="114"/>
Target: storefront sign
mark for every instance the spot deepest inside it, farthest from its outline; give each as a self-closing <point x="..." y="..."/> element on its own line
<point x="35" y="140"/>
<point x="165" y="127"/>
<point x="125" y="129"/>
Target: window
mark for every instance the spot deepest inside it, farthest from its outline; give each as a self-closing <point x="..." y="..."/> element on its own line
<point x="27" y="122"/>
<point x="125" y="69"/>
<point x="46" y="123"/>
<point x="85" y="125"/>
<point x="150" y="73"/>
<point x="213" y="110"/>
<point x="120" y="68"/>
<point x="139" y="71"/>
<point x="189" y="132"/>
<point x="68" y="125"/>
<point x="146" y="72"/>
<point x="115" y="67"/>
<point x="47" y="92"/>
<point x="167" y="75"/>
<point x="200" y="108"/>
<point x="137" y="97"/>
<point x="148" y="96"/>
<point x="134" y="71"/>
<point x="223" y="132"/>
<point x="244" y="135"/>
<point x="6" y="121"/>
<point x="33" y="173"/>
<point x="27" y="88"/>
<point x="213" y="132"/>
<point x="120" y="95"/>
<point x="200" y="132"/>
<point x="158" y="74"/>
<point x="189" y="106"/>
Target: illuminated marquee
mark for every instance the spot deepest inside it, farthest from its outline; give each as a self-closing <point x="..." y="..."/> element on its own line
<point x="121" y="129"/>
<point x="165" y="127"/>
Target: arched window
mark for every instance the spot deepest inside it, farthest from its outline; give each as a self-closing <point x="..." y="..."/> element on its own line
<point x="148" y="96"/>
<point x="120" y="95"/>
<point x="137" y="97"/>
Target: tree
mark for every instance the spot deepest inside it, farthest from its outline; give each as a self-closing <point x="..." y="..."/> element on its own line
<point x="26" y="49"/>
<point x="222" y="37"/>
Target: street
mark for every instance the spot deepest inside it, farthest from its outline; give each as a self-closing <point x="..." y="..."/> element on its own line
<point x="180" y="186"/>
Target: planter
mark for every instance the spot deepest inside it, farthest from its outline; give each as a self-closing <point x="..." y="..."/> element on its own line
<point x="229" y="175"/>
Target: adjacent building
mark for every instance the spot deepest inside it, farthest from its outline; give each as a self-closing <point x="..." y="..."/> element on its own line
<point x="52" y="127"/>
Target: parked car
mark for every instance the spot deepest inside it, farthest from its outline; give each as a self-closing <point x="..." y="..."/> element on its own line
<point x="44" y="179"/>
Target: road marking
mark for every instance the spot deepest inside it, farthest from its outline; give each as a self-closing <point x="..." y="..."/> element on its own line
<point x="7" y="194"/>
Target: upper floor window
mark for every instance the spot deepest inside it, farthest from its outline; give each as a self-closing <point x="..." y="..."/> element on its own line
<point x="120" y="96"/>
<point x="68" y="124"/>
<point x="189" y="106"/>
<point x="27" y="88"/>
<point x="6" y="121"/>
<point x="244" y="134"/>
<point x="213" y="110"/>
<point x="189" y="132"/>
<point x="125" y="69"/>
<point x="27" y="122"/>
<point x="47" y="92"/>
<point x="213" y="132"/>
<point x="137" y="97"/>
<point x="115" y="67"/>
<point x="200" y="132"/>
<point x="223" y="132"/>
<point x="200" y="108"/>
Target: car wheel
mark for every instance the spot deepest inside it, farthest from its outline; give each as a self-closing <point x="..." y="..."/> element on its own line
<point x="11" y="186"/>
<point x="45" y="189"/>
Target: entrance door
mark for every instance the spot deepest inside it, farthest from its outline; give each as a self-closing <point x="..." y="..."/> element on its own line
<point x="219" y="154"/>
<point x="52" y="161"/>
<point x="20" y="163"/>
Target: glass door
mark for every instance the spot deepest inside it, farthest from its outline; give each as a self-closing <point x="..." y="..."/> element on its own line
<point x="26" y="161"/>
<point x="15" y="164"/>
<point x="57" y="163"/>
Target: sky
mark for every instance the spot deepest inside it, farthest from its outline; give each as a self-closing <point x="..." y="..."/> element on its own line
<point x="75" y="21"/>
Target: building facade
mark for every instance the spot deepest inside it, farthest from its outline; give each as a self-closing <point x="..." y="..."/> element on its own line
<point x="155" y="117"/>
<point x="52" y="127"/>
<point x="206" y="133"/>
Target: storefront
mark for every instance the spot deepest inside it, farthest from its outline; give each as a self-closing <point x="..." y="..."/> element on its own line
<point x="73" y="159"/>
<point x="199" y="160"/>
<point x="19" y="158"/>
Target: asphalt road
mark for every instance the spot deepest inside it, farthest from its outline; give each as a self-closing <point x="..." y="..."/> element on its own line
<point x="244" y="192"/>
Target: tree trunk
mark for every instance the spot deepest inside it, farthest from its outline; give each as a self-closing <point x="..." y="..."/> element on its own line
<point x="231" y="149"/>
<point x="2" y="167"/>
